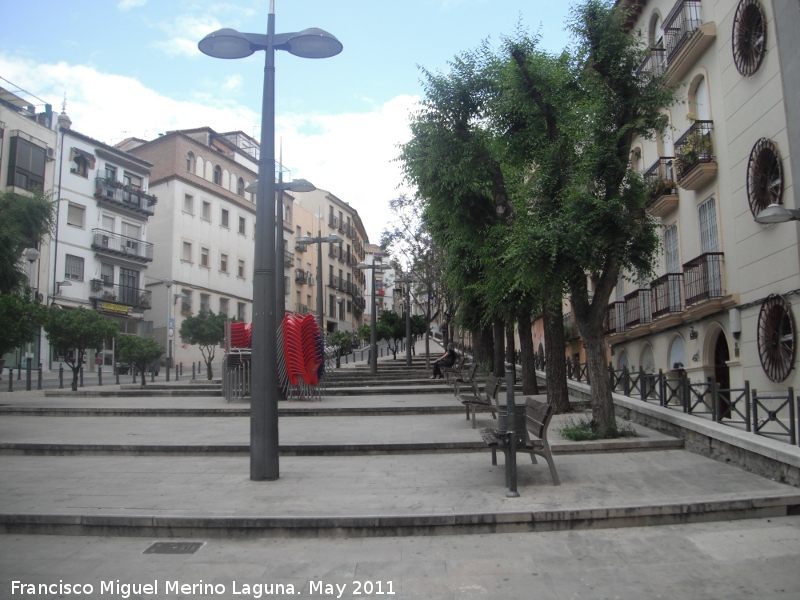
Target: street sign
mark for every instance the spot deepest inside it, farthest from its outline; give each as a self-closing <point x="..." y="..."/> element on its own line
<point x="171" y="332"/>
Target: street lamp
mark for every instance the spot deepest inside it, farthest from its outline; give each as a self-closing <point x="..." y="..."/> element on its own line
<point x="230" y="44"/>
<point x="373" y="341"/>
<point x="32" y="255"/>
<point x="407" y="280"/>
<point x="319" y="240"/>
<point x="777" y="213"/>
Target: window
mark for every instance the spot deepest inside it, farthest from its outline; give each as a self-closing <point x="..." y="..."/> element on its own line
<point x="129" y="286"/>
<point x="186" y="254"/>
<point x="240" y="187"/>
<point x="186" y="303"/>
<point x="108" y="223"/>
<point x="134" y="182"/>
<point x="26" y="166"/>
<point x="204" y="257"/>
<point x="190" y="162"/>
<point x="709" y="240"/>
<point x="240" y="271"/>
<point x="206" y="210"/>
<point x="73" y="268"/>
<point x="107" y="273"/>
<point x="205" y="303"/>
<point x="75" y="215"/>
<point x="80" y="166"/>
<point x="218" y="175"/>
<point x="132" y="233"/>
<point x="111" y="173"/>
<point x="224" y="218"/>
<point x="223" y="306"/>
<point x="242" y="225"/>
<point x="223" y="263"/>
<point x="672" y="258"/>
<point x="241" y="311"/>
<point x="188" y="204"/>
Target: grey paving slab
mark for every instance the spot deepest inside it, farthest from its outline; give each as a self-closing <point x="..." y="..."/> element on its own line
<point x="549" y="565"/>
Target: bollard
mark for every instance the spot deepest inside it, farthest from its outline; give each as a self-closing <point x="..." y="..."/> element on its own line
<point x="61" y="377"/>
<point x="133" y="370"/>
<point x="116" y="374"/>
<point x="99" y="374"/>
<point x="181" y="365"/>
<point x="39" y="382"/>
<point x="19" y="372"/>
<point x="10" y="379"/>
<point x="166" y="368"/>
<point x="511" y="465"/>
<point x="193" y="374"/>
<point x="81" y="376"/>
<point x="152" y="375"/>
<point x="176" y="372"/>
<point x="28" y="375"/>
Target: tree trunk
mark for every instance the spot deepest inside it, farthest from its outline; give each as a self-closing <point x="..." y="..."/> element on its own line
<point x="143" y="371"/>
<point x="603" y="417"/>
<point x="498" y="368"/>
<point x="556" y="367"/>
<point x="483" y="346"/>
<point x="209" y="372"/>
<point x="511" y="347"/>
<point x="75" y="372"/>
<point x="530" y="384"/>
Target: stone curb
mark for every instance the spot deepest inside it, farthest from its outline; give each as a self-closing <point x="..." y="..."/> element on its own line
<point x="401" y="525"/>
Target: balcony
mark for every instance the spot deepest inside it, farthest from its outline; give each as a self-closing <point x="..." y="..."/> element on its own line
<point x="686" y="38"/>
<point x="666" y="295"/>
<point x="116" y="298"/>
<point x="638" y="308"/>
<point x="703" y="278"/>
<point x="349" y="229"/>
<point x="288" y="258"/>
<point x="615" y="318"/>
<point x="660" y="181"/>
<point x="301" y="309"/>
<point x="300" y="247"/>
<point x="124" y="196"/>
<point x="695" y="163"/>
<point x="121" y="245"/>
<point x="333" y="222"/>
<point x="654" y="64"/>
<point x="301" y="276"/>
<point x="335" y="251"/>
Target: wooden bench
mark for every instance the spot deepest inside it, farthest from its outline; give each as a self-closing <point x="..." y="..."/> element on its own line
<point x="450" y="372"/>
<point x="537" y="419"/>
<point x="466" y="376"/>
<point x="486" y="400"/>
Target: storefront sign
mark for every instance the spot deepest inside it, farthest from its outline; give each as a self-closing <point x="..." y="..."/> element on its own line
<point x="115" y="308"/>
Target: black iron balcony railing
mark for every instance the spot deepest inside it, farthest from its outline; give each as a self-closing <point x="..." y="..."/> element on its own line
<point x="333" y="222"/>
<point x="300" y="247"/>
<point x="660" y="179"/>
<point x="694" y="147"/>
<point x="301" y="276"/>
<point x="351" y="288"/>
<point x="288" y="258"/>
<point x="301" y="309"/>
<point x="615" y="324"/>
<point x="703" y="278"/>
<point x="114" y="243"/>
<point x="120" y="294"/>
<point x="637" y="308"/>
<point x="126" y="195"/>
<point x="666" y="294"/>
<point x="681" y="25"/>
<point x="654" y="63"/>
<point x="348" y="229"/>
<point x="335" y="251"/>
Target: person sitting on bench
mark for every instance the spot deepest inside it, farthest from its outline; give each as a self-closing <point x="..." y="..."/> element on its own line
<point x="448" y="359"/>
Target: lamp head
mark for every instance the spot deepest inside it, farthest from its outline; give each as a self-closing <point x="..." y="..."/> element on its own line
<point x="226" y="43"/>
<point x="334" y="239"/>
<point x="776" y="213"/>
<point x="313" y="43"/>
<point x="31" y="254"/>
<point x="305" y="240"/>
<point x="301" y="185"/>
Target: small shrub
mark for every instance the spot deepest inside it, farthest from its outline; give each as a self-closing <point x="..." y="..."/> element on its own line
<point x="583" y="430"/>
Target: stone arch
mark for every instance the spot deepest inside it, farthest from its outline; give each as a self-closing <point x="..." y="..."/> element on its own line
<point x="699" y="97"/>
<point x="226" y="179"/>
<point x="622" y="361"/>
<point x="677" y="357"/>
<point x="199" y="167"/>
<point x="647" y="360"/>
<point x="655" y="32"/>
<point x="209" y="174"/>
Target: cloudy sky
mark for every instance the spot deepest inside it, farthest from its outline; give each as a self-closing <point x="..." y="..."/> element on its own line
<point x="132" y="68"/>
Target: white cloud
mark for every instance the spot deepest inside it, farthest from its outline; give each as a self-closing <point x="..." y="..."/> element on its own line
<point x="233" y="82"/>
<point x="187" y="30"/>
<point x="351" y="154"/>
<point x="129" y="4"/>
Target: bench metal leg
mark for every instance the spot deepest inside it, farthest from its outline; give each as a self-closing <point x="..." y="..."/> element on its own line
<point x="548" y="456"/>
<point x="494" y="457"/>
<point x="474" y="410"/>
<point x="467" y="407"/>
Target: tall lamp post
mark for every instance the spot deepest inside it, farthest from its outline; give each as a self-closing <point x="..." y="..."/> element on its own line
<point x="230" y="44"/>
<point x="407" y="281"/>
<point x="373" y="334"/>
<point x="319" y="240"/>
<point x="32" y="255"/>
<point x="170" y="325"/>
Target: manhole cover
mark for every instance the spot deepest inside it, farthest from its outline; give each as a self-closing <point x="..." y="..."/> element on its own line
<point x="173" y="548"/>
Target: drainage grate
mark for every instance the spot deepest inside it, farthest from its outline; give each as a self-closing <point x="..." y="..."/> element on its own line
<point x="173" y="548"/>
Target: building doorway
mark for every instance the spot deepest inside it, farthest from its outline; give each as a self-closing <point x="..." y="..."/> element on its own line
<point x="722" y="375"/>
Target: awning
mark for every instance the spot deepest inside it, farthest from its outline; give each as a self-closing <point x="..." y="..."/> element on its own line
<point x="76" y="152"/>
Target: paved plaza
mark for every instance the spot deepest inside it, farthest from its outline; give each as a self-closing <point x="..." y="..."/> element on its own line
<point x="377" y="493"/>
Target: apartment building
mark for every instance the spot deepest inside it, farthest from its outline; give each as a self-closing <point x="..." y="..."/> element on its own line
<point x="28" y="146"/>
<point x="100" y="254"/>
<point x="205" y="231"/>
<point x="342" y="284"/>
<point x="724" y="302"/>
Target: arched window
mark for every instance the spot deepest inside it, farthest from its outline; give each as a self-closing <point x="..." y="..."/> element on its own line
<point x="647" y="361"/>
<point x="699" y="100"/>
<point x="190" y="162"/>
<point x="240" y="187"/>
<point x="677" y="355"/>
<point x="218" y="175"/>
<point x="656" y="34"/>
<point x="623" y="363"/>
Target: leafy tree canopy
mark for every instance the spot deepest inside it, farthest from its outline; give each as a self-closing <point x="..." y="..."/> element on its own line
<point x="25" y="220"/>
<point x="207" y="331"/>
<point x="20" y="318"/>
<point x="138" y="351"/>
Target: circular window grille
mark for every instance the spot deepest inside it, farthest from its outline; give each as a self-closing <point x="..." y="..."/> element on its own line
<point x="749" y="37"/>
<point x="776" y="338"/>
<point x="764" y="176"/>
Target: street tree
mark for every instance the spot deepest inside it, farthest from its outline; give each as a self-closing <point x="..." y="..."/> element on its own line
<point x="74" y="331"/>
<point x="138" y="351"/>
<point x="338" y="340"/>
<point x="20" y="319"/>
<point x="25" y="221"/>
<point x="207" y="331"/>
<point x="394" y="330"/>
